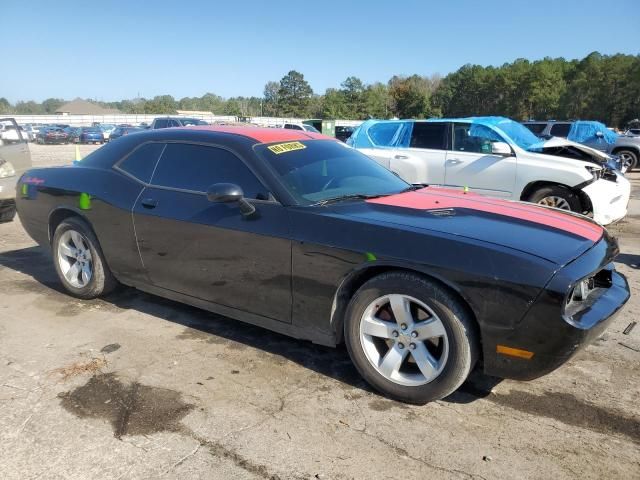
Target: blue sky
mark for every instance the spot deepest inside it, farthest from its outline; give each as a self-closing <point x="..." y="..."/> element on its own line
<point x="114" y="50"/>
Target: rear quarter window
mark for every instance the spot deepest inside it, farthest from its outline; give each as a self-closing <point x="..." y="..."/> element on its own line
<point x="142" y="161"/>
<point x="383" y="134"/>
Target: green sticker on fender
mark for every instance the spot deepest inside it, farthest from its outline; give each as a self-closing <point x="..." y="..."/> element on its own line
<point x="84" y="202"/>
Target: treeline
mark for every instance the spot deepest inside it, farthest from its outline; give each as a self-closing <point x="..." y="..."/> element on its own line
<point x="598" y="87"/>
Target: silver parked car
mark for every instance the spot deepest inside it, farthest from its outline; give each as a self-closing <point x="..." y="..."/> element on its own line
<point x="626" y="146"/>
<point x="15" y="159"/>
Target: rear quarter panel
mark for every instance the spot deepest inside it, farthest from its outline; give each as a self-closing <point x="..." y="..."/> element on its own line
<point x="104" y="198"/>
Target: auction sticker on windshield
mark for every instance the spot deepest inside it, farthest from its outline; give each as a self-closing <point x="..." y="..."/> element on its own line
<point x="286" y="147"/>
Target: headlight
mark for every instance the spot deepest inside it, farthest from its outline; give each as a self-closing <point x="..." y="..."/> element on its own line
<point x="595" y="171"/>
<point x="586" y="291"/>
<point x="6" y="169"/>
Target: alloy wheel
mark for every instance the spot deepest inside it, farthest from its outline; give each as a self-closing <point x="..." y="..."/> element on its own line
<point x="404" y="340"/>
<point x="74" y="258"/>
<point x="556" y="202"/>
<point x="628" y="159"/>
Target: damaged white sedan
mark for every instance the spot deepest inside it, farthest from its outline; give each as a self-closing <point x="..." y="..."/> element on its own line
<point x="498" y="157"/>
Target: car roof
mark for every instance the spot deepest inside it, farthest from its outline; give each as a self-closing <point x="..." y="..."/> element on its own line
<point x="262" y="135"/>
<point x="548" y="121"/>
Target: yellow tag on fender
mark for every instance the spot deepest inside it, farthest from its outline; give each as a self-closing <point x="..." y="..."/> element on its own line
<point x="286" y="147"/>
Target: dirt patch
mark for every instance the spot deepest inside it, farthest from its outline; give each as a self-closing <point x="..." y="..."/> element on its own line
<point x="131" y="409"/>
<point x="80" y="368"/>
<point x="112" y="347"/>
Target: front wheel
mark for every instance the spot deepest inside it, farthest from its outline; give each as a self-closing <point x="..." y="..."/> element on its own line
<point x="630" y="157"/>
<point x="556" y="196"/>
<point x="410" y="338"/>
<point x="79" y="260"/>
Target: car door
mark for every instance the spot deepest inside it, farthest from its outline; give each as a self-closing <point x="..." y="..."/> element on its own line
<point x="210" y="250"/>
<point x="423" y="161"/>
<point x="16" y="153"/>
<point x="471" y="164"/>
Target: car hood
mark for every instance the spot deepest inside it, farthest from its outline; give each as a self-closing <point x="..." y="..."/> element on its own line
<point x="548" y="233"/>
<point x="556" y="142"/>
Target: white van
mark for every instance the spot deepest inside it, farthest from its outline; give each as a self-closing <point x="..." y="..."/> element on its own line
<point x="498" y="157"/>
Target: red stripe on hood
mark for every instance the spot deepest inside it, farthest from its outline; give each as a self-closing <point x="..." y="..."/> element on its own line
<point x="432" y="198"/>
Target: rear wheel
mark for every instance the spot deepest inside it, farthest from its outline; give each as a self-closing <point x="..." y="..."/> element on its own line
<point x="79" y="260"/>
<point x="556" y="196"/>
<point x="410" y="338"/>
<point x="630" y="157"/>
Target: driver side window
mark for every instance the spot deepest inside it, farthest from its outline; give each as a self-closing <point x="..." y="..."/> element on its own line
<point x="196" y="167"/>
<point x="474" y="138"/>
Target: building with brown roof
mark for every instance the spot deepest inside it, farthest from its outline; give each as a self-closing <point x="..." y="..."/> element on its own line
<point x="83" y="107"/>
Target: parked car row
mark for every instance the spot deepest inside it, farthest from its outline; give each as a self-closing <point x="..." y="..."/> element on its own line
<point x="63" y="134"/>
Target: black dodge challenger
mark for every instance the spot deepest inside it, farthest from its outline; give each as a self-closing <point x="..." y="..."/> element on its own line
<point x="300" y="234"/>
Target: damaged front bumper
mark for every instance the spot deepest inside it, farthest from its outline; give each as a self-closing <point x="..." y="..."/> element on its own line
<point x="609" y="199"/>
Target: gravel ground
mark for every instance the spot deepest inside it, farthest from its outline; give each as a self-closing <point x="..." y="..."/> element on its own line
<point x="134" y="386"/>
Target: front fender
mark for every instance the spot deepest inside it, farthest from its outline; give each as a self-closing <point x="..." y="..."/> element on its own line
<point x="363" y="272"/>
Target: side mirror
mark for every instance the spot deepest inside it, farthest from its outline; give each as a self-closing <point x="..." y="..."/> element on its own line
<point x="501" y="148"/>
<point x="599" y="134"/>
<point x="224" y="193"/>
<point x="229" y="193"/>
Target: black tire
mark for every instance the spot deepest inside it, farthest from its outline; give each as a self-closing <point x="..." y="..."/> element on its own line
<point x="458" y="323"/>
<point x="102" y="280"/>
<point x="633" y="156"/>
<point x="7" y="212"/>
<point x="548" y="191"/>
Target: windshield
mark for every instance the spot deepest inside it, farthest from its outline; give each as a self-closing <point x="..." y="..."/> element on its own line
<point x="310" y="128"/>
<point x="521" y="135"/>
<point x="192" y="121"/>
<point x="317" y="170"/>
<point x="517" y="133"/>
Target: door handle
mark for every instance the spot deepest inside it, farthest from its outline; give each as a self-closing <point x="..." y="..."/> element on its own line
<point x="454" y="161"/>
<point x="149" y="203"/>
<point x="401" y="157"/>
